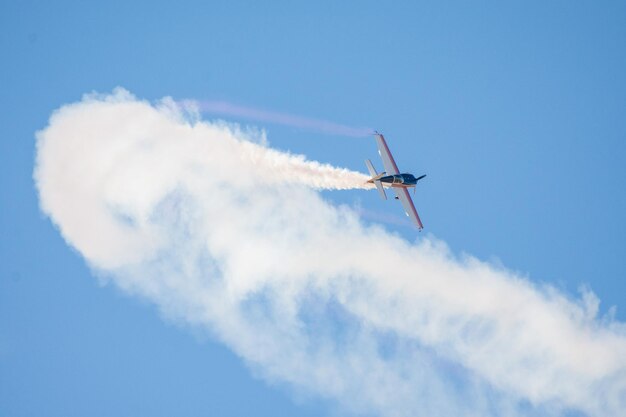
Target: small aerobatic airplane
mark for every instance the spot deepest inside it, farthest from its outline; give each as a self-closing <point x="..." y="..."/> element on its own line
<point x="393" y="178"/>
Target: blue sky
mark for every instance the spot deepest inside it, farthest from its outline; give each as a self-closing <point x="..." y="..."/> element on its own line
<point x="515" y="112"/>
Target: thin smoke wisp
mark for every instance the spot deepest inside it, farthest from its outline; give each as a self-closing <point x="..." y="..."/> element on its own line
<point x="220" y="231"/>
<point x="259" y="115"/>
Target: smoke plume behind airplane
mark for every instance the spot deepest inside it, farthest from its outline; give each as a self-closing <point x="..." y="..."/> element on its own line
<point x="220" y="231"/>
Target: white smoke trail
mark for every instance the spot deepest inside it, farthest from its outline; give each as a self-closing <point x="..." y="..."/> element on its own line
<point x="198" y="219"/>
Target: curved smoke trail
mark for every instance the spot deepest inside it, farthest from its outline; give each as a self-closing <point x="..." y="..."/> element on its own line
<point x="192" y="215"/>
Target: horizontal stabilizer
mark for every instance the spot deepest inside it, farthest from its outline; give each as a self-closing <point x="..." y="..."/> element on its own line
<point x="376" y="178"/>
<point x="381" y="190"/>
<point x="371" y="168"/>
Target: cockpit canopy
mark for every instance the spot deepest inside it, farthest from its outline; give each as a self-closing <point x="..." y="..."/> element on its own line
<point x="404" y="179"/>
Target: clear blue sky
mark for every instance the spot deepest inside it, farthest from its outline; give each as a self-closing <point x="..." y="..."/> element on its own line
<point x="516" y="112"/>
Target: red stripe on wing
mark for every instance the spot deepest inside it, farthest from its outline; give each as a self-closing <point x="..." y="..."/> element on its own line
<point x="389" y="155"/>
<point x="412" y="206"/>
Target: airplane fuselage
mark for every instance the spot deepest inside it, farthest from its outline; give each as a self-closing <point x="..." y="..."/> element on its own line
<point x="399" y="180"/>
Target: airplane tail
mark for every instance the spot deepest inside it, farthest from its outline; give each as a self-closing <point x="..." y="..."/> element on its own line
<point x="376" y="179"/>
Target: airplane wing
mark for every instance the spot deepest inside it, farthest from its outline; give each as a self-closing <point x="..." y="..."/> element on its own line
<point x="390" y="165"/>
<point x="409" y="208"/>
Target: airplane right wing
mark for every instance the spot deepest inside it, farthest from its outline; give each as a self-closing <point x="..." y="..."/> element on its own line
<point x="407" y="204"/>
<point x="390" y="165"/>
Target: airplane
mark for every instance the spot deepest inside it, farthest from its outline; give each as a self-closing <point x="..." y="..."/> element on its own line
<point x="394" y="179"/>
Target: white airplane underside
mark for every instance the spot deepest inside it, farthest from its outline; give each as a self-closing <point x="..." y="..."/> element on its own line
<point x="392" y="178"/>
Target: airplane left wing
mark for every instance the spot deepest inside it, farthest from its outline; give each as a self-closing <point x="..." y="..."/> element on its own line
<point x="409" y="208"/>
<point x="385" y="154"/>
